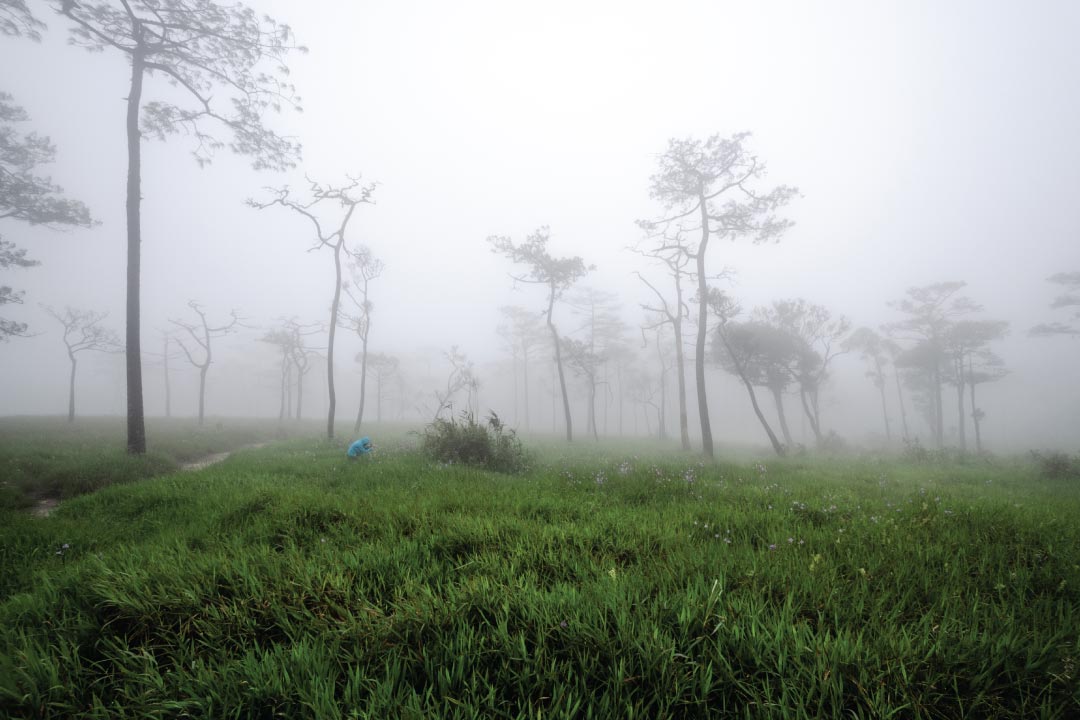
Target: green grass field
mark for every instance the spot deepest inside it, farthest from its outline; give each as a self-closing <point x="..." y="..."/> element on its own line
<point x="610" y="582"/>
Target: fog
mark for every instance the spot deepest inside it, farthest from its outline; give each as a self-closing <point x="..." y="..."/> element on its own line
<point x="930" y="142"/>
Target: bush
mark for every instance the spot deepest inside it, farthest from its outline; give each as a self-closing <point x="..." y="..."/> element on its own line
<point x="490" y="445"/>
<point x="1056" y="465"/>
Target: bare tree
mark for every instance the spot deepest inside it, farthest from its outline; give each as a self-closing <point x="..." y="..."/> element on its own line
<point x="674" y="255"/>
<point x="363" y="268"/>
<point x="212" y="58"/>
<point x="83" y="332"/>
<point x="347" y="197"/>
<point x="301" y="354"/>
<point x="281" y="338"/>
<point x="26" y="196"/>
<point x="202" y="336"/>
<point x="557" y="274"/>
<point x="384" y="368"/>
<point x="711" y="183"/>
<point x="1068" y="299"/>
<point x="462" y="376"/>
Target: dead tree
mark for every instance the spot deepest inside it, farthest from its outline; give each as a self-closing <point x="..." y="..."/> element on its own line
<point x="83" y="332"/>
<point x="347" y="197"/>
<point x="202" y="336"/>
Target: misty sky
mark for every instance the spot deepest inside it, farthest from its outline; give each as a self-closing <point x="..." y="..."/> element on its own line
<point x="930" y="141"/>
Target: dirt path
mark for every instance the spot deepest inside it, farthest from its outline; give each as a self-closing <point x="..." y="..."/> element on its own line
<point x="45" y="506"/>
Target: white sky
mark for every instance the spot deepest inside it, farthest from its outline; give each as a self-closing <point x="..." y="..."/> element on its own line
<point x="931" y="141"/>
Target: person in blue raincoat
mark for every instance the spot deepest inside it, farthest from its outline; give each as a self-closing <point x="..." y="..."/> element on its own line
<point x="360" y="448"/>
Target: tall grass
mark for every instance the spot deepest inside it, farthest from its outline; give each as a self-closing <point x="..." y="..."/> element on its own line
<point x="288" y="582"/>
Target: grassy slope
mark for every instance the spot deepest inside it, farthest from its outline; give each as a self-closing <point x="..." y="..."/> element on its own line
<point x="49" y="457"/>
<point x="289" y="582"/>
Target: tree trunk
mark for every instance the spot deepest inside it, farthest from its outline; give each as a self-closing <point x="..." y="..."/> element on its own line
<point x="810" y="416"/>
<point x="525" y="378"/>
<point x="284" y="374"/>
<point x="558" y="364"/>
<point x="778" y="399"/>
<point x="880" y="382"/>
<point x="168" y="390"/>
<point x="777" y="447"/>
<point x="684" y="430"/>
<point x="661" y="413"/>
<point x="202" y="391"/>
<point x="962" y="425"/>
<point x="513" y="376"/>
<point x="71" y="390"/>
<point x="332" y="409"/>
<point x="975" y="416"/>
<point x="136" y="423"/>
<point x="592" y="408"/>
<point x="378" y="399"/>
<point x="702" y="330"/>
<point x="900" y="399"/>
<point x="300" y="372"/>
<point x="363" y="385"/>
<point x="938" y="407"/>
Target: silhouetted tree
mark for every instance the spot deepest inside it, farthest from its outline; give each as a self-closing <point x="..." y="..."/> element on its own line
<point x="347" y="197"/>
<point x="601" y="329"/>
<point x="363" y="268"/>
<point x="674" y="255"/>
<point x="202" y="336"/>
<point x="83" y="332"/>
<point x="523" y="334"/>
<point x="711" y="184"/>
<point x="282" y="339"/>
<point x="1069" y="299"/>
<point x="384" y="368"/>
<point x="211" y="57"/>
<point x="871" y="347"/>
<point x="657" y="325"/>
<point x="557" y="274"/>
<point x="753" y="352"/>
<point x="462" y="376"/>
<point x="26" y="196"/>
<point x="930" y="310"/>
<point x="963" y="339"/>
<point x="983" y="367"/>
<point x="818" y="336"/>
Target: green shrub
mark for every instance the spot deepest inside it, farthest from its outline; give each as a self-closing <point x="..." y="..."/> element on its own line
<point x="491" y="445"/>
<point x="1056" y="465"/>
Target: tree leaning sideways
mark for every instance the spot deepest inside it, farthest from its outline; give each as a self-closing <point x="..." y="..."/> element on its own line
<point x="711" y="184"/>
<point x="348" y="197"/>
<point x="212" y="57"/>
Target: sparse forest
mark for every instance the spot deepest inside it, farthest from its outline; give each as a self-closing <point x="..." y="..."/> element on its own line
<point x="646" y="415"/>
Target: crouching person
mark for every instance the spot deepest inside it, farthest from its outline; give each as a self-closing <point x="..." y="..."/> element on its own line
<point x="360" y="448"/>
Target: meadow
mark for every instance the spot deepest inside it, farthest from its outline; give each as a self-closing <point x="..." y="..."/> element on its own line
<point x="619" y="580"/>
